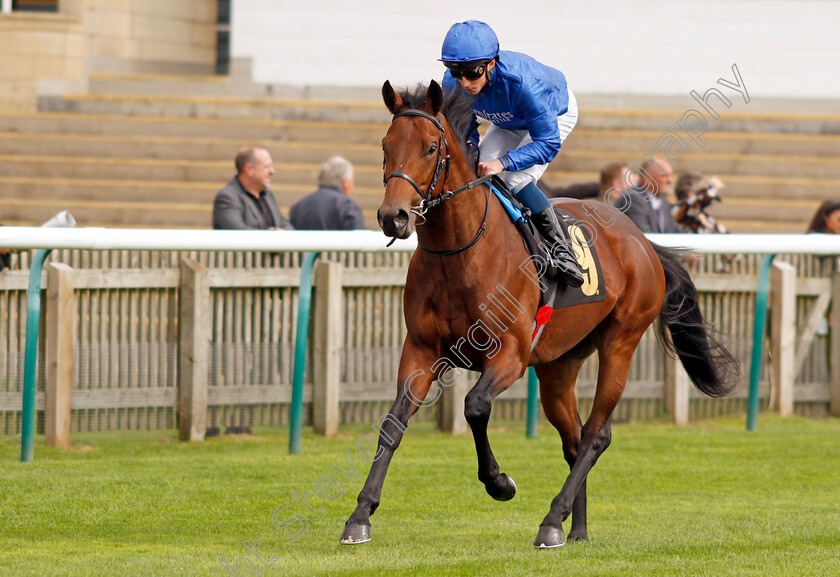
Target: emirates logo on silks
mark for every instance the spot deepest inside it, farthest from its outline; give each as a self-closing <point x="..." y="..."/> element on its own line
<point x="495" y="117"/>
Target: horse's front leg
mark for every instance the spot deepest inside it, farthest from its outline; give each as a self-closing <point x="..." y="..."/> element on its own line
<point x="497" y="377"/>
<point x="415" y="378"/>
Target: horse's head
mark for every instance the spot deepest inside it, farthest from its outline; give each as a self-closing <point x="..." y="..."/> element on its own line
<point x="416" y="159"/>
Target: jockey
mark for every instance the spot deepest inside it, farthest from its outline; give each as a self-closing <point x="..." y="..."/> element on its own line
<point x="531" y="111"/>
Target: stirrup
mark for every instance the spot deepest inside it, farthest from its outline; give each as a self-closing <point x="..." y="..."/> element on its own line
<point x="565" y="271"/>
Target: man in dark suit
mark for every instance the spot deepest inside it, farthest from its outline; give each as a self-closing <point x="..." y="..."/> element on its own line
<point x="647" y="203"/>
<point x="246" y="202"/>
<point x="330" y="207"/>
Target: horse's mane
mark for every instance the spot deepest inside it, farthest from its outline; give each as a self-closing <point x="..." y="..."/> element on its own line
<point x="457" y="109"/>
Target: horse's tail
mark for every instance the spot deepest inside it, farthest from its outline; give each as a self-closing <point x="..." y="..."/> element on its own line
<point x="710" y="366"/>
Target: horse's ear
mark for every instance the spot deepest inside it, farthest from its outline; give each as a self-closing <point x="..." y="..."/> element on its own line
<point x="391" y="98"/>
<point x="434" y="96"/>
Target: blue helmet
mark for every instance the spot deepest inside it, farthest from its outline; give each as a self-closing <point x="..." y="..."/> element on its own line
<point x="469" y="41"/>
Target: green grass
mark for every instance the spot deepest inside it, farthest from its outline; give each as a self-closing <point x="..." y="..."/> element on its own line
<point x="705" y="500"/>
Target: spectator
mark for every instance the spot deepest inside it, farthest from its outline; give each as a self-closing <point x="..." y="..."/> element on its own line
<point x="647" y="203"/>
<point x="246" y="202"/>
<point x="615" y="177"/>
<point x="330" y="207"/>
<point x="612" y="176"/>
<point x="5" y="258"/>
<point x="694" y="193"/>
<point x="827" y="218"/>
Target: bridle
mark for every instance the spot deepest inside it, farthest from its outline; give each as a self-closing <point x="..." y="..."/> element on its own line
<point x="442" y="162"/>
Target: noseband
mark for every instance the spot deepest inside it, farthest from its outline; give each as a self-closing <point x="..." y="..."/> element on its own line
<point x="441" y="167"/>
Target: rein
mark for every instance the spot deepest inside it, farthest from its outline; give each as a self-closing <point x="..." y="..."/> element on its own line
<point x="441" y="166"/>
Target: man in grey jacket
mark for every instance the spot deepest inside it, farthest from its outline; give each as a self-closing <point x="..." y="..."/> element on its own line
<point x="330" y="207"/>
<point x="246" y="202"/>
<point x="647" y="203"/>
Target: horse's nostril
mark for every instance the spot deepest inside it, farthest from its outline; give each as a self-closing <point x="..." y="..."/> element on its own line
<point x="401" y="218"/>
<point x="393" y="223"/>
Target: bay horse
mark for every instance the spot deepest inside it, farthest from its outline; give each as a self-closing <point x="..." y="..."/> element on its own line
<point x="470" y="253"/>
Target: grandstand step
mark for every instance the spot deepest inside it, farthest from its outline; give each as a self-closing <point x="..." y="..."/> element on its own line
<point x="242" y="130"/>
<point x="199" y="215"/>
<point x="215" y="107"/>
<point x="645" y="143"/>
<point x="230" y="106"/>
<point x="709" y="163"/>
<point x="166" y="85"/>
<point x="127" y="215"/>
<point x="88" y="168"/>
<point x="237" y="85"/>
<point x="737" y="186"/>
<point x="174" y="173"/>
<point x="751" y="226"/>
<point x="786" y="212"/>
<point x="738" y="118"/>
<point x="563" y="171"/>
<point x="111" y="214"/>
<point x="223" y="151"/>
<point x="371" y="134"/>
<point x="206" y="173"/>
<point x="20" y="189"/>
<point x="186" y="204"/>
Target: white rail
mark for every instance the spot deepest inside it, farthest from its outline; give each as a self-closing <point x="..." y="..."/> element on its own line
<point x="203" y="240"/>
<point x="817" y="244"/>
<point x="360" y="241"/>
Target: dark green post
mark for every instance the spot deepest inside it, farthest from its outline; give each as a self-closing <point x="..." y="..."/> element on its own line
<point x="30" y="359"/>
<point x="533" y="403"/>
<point x="301" y="339"/>
<point x="758" y="338"/>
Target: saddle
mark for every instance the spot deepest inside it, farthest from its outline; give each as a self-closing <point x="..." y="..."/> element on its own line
<point x="553" y="294"/>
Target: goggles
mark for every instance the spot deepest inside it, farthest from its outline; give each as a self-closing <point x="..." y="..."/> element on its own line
<point x="473" y="73"/>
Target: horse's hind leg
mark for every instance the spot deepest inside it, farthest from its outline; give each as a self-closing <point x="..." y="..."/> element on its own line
<point x="613" y="370"/>
<point x="557" y="395"/>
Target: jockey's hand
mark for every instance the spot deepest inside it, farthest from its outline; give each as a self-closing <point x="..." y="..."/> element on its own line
<point x="489" y="168"/>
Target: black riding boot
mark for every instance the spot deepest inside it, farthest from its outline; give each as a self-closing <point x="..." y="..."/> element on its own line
<point x="562" y="263"/>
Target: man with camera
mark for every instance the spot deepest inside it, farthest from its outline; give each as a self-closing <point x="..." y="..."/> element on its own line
<point x="694" y="193"/>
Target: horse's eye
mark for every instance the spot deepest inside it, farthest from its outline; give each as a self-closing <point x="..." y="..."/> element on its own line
<point x="432" y="149"/>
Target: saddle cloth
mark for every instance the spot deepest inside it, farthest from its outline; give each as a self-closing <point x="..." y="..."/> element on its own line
<point x="553" y="294"/>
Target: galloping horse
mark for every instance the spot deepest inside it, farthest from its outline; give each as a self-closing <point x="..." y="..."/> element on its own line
<point x="470" y="251"/>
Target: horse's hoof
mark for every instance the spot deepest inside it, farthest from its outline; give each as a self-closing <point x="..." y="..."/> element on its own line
<point x="577" y="537"/>
<point x="506" y="493"/>
<point x="354" y="534"/>
<point x="549" y="537"/>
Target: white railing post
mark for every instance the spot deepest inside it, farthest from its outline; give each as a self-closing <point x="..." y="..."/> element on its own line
<point x="677" y="391"/>
<point x="782" y="336"/>
<point x="194" y="350"/>
<point x="61" y="320"/>
<point x="452" y="418"/>
<point x="834" y="357"/>
<point x="326" y="348"/>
